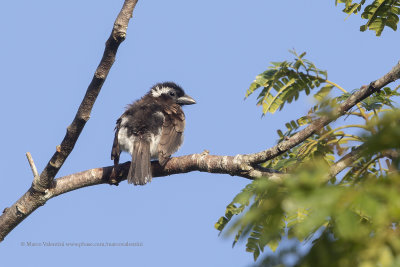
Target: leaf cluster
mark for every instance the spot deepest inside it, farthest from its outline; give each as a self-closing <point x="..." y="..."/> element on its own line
<point x="379" y="13"/>
<point x="284" y="81"/>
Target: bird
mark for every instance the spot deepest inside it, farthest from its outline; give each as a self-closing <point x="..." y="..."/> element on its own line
<point x="151" y="129"/>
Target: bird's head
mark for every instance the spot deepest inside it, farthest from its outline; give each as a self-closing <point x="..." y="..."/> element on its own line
<point x="171" y="91"/>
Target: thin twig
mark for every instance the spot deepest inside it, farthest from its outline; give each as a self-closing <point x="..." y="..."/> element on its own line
<point x="36" y="185"/>
<point x="32" y="164"/>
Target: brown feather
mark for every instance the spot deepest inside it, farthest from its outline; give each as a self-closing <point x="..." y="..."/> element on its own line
<point x="116" y="152"/>
<point x="172" y="132"/>
<point x="140" y="169"/>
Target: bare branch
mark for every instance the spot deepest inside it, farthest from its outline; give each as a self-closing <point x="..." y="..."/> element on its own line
<point x="195" y="162"/>
<point x="82" y="116"/>
<point x="38" y="193"/>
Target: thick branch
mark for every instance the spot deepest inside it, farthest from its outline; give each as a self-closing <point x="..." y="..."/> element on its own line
<point x="203" y="162"/>
<point x="37" y="195"/>
<point x="232" y="165"/>
<point x="299" y="137"/>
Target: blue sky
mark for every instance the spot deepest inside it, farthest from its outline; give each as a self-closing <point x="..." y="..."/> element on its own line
<point x="214" y="50"/>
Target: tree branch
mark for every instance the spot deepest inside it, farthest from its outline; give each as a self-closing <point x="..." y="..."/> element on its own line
<point x="117" y="36"/>
<point x="299" y="137"/>
<point x="346" y="161"/>
<point x="354" y="155"/>
<point x="184" y="164"/>
<point x="37" y="194"/>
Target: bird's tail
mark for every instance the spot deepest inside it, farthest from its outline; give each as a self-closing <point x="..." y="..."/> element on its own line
<point x="140" y="169"/>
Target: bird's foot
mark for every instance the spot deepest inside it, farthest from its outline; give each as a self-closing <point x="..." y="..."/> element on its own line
<point x="113" y="180"/>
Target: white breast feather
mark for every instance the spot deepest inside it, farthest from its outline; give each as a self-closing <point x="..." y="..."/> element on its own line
<point x="125" y="142"/>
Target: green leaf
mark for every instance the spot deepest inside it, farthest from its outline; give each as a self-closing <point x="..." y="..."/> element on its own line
<point x="323" y="92"/>
<point x="284" y="81"/>
<point x="273" y="245"/>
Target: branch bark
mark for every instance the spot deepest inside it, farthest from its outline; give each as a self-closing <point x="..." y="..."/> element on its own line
<point x="184" y="164"/>
<point x="37" y="193"/>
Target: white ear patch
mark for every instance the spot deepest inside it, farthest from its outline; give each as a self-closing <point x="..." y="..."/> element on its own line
<point x="156" y="92"/>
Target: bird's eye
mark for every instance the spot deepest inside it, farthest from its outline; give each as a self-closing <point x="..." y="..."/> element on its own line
<point x="172" y="93"/>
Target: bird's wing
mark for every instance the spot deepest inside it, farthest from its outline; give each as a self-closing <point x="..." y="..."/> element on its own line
<point x="115" y="152"/>
<point x="172" y="132"/>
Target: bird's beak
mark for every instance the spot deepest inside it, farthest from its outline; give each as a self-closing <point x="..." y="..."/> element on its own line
<point x="185" y="100"/>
